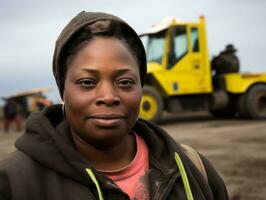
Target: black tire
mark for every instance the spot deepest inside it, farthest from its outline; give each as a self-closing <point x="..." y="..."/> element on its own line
<point x="255" y="102"/>
<point x="152" y="106"/>
<point x="226" y="108"/>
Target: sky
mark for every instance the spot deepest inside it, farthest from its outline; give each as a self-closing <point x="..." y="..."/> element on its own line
<point x="29" y="29"/>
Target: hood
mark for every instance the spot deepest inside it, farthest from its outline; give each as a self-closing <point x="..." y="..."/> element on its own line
<point x="80" y="21"/>
<point x="47" y="140"/>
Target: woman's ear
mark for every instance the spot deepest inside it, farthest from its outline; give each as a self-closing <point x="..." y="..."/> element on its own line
<point x="63" y="105"/>
<point x="63" y="96"/>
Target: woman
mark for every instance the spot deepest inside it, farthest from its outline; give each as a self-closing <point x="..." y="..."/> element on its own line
<point x="94" y="146"/>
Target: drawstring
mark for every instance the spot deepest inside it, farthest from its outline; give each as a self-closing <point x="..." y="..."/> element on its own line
<point x="180" y="167"/>
<point x="184" y="176"/>
<point x="93" y="178"/>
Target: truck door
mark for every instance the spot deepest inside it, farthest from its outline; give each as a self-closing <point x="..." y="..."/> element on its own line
<point x="185" y="69"/>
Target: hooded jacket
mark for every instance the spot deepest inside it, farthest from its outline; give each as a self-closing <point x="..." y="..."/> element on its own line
<point x="47" y="166"/>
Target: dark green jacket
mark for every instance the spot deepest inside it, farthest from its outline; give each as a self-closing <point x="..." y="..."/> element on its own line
<point x="47" y="166"/>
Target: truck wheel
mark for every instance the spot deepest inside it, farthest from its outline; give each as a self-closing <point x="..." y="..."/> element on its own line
<point x="151" y="106"/>
<point x="255" y="102"/>
<point x="222" y="105"/>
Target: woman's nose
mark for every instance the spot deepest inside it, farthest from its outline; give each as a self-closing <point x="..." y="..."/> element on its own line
<point x="107" y="95"/>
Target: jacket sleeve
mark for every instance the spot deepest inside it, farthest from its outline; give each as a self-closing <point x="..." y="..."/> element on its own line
<point x="4" y="187"/>
<point x="215" y="181"/>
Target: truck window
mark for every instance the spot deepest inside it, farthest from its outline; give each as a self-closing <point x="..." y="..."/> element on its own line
<point x="194" y="40"/>
<point x="155" y="47"/>
<point x="180" y="42"/>
<point x="179" y="45"/>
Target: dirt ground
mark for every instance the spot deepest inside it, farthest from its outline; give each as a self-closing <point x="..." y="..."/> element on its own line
<point x="236" y="147"/>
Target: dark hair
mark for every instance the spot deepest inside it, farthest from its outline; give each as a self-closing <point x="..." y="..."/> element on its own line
<point x="102" y="28"/>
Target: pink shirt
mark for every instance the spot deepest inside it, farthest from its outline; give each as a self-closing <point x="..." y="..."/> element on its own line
<point x="133" y="178"/>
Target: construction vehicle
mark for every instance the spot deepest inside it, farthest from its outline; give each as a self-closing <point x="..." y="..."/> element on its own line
<point x="30" y="100"/>
<point x="180" y="78"/>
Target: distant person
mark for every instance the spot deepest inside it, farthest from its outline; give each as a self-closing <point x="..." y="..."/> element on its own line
<point x="11" y="115"/>
<point x="226" y="61"/>
<point x="94" y="146"/>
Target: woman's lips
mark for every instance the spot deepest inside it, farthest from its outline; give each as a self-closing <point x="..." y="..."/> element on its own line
<point x="104" y="120"/>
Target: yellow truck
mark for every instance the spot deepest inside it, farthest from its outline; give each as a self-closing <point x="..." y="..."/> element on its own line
<point x="180" y="77"/>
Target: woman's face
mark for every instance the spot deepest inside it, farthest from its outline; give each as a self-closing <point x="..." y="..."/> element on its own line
<point x="102" y="92"/>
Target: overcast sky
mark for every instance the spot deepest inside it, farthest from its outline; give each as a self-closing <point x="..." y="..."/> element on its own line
<point x="29" y="29"/>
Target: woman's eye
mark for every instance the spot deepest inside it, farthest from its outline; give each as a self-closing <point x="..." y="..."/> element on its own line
<point x="126" y="83"/>
<point x="87" y="83"/>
